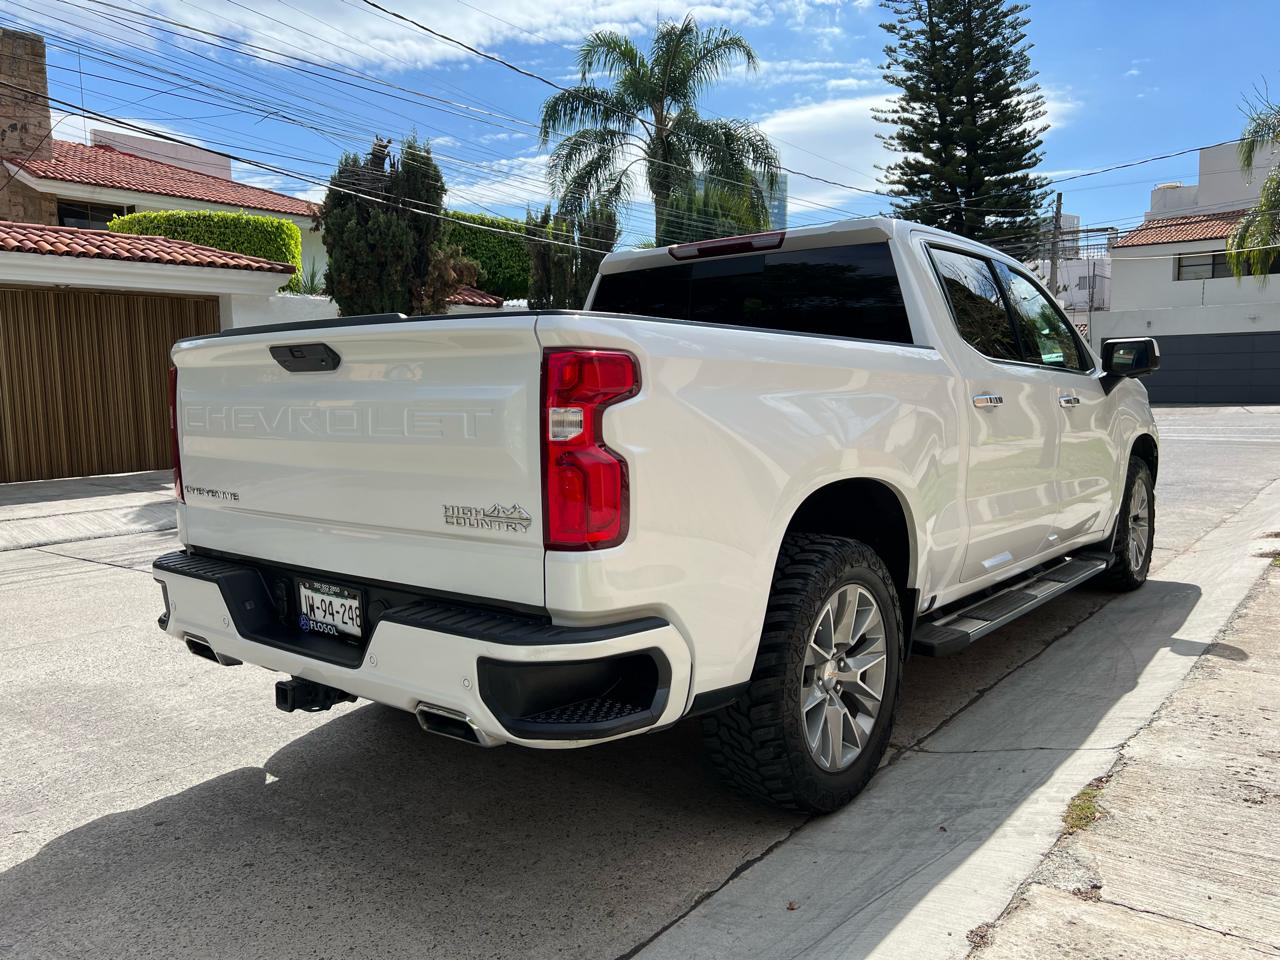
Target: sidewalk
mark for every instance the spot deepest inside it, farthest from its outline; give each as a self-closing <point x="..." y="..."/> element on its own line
<point x="1179" y="851"/>
<point x="44" y="512"/>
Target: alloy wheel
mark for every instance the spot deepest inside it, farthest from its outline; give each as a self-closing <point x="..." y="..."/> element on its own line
<point x="1139" y="525"/>
<point x="844" y="676"/>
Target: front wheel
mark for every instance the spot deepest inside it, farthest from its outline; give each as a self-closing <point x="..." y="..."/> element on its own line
<point x="1135" y="529"/>
<point x="815" y="720"/>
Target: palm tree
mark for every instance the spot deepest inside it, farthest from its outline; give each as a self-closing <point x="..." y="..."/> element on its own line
<point x="1255" y="243"/>
<point x="648" y="117"/>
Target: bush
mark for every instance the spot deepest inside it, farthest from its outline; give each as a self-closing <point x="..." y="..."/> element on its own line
<point x="254" y="235"/>
<point x="503" y="257"/>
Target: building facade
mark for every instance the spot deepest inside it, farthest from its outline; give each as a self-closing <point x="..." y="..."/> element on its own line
<point x="52" y="182"/>
<point x="1219" y="336"/>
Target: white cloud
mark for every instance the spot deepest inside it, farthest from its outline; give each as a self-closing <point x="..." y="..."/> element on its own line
<point x="774" y="73"/>
<point x="834" y="139"/>
<point x="503" y="185"/>
<point x="1132" y="72"/>
<point x="502" y="136"/>
<point x="313" y="194"/>
<point x="850" y="83"/>
<point x="357" y="35"/>
<point x="1059" y="107"/>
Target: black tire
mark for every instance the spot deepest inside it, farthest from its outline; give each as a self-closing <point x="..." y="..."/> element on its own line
<point x="1124" y="574"/>
<point x="758" y="743"/>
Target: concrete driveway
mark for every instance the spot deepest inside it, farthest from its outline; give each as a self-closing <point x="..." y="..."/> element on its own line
<point x="154" y="805"/>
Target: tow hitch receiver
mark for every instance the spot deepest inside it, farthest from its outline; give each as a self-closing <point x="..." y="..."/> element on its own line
<point x="298" y="694"/>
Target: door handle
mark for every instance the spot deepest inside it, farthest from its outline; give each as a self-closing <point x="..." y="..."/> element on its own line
<point x="985" y="400"/>
<point x="1068" y="401"/>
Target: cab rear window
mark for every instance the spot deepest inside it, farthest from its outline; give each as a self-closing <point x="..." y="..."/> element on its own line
<point x="846" y="291"/>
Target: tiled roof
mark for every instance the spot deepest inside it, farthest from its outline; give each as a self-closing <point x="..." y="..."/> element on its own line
<point x="104" y="166"/>
<point x="1200" y="226"/>
<point x="105" y="245"/>
<point x="471" y="297"/>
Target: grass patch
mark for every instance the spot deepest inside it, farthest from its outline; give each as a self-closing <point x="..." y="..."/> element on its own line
<point x="1083" y="808"/>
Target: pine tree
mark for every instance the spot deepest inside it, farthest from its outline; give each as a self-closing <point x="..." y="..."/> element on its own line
<point x="968" y="119"/>
<point x="387" y="255"/>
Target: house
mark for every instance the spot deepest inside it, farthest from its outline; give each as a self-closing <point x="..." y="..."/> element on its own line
<point x="87" y="320"/>
<point x="1219" y="336"/>
<point x="62" y="183"/>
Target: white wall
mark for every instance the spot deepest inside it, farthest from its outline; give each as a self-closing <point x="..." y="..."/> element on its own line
<point x="313" y="251"/>
<point x="1140" y="284"/>
<point x="1221" y="186"/>
<point x="179" y="154"/>
<point x="1180" y="321"/>
<point x="1071" y="274"/>
<point x="247" y="310"/>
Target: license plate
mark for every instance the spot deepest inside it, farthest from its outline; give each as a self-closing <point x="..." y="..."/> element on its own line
<point x="327" y="608"/>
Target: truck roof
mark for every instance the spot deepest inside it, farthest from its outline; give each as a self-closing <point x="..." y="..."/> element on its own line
<point x="853" y="230"/>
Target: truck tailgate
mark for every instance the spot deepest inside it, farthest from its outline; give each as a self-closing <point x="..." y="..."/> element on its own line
<point x="416" y="461"/>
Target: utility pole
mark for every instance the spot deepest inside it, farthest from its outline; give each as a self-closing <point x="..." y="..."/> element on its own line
<point x="1054" y="240"/>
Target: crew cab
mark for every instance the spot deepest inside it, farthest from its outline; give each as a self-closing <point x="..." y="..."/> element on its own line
<point x="746" y="482"/>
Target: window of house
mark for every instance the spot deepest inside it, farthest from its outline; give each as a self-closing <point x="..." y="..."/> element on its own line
<point x="1212" y="266"/>
<point x="88" y="216"/>
<point x="976" y="304"/>
<point x="849" y="291"/>
<point x="1045" y="335"/>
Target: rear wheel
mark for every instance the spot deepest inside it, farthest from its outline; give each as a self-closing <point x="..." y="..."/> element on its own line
<point x="811" y="728"/>
<point x="1135" y="530"/>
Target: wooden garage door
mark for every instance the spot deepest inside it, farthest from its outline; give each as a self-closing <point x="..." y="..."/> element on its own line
<point x="84" y="379"/>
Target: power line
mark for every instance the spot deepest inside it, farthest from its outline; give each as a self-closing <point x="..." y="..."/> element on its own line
<point x="682" y="217"/>
<point x="276" y="61"/>
<point x="281" y="171"/>
<point x="519" y="201"/>
<point x="557" y="86"/>
<point x="494" y="58"/>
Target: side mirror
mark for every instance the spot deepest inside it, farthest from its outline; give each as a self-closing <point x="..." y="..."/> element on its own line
<point x="1130" y="358"/>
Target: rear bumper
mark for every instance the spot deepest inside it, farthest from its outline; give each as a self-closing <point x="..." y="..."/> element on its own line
<point x="514" y="677"/>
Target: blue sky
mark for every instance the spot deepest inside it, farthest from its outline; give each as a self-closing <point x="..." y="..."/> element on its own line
<point x="1123" y="80"/>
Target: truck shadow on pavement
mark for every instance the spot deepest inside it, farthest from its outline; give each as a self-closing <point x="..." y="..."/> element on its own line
<point x="368" y="838"/>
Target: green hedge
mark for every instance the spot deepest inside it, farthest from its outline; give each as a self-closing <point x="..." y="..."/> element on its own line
<point x="503" y="257"/>
<point x="271" y="238"/>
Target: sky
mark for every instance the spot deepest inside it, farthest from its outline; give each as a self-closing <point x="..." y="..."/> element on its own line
<point x="1122" y="80"/>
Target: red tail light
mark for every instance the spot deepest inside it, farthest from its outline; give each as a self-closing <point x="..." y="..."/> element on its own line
<point x="584" y="486"/>
<point x="174" y="448"/>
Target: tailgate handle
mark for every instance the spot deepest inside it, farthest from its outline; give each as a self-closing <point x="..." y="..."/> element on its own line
<point x="307" y="357"/>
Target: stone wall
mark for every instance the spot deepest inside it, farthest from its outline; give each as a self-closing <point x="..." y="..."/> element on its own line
<point x="20" y="203"/>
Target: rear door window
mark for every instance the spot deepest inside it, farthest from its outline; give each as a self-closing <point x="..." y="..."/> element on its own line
<point x="847" y="291"/>
<point x="976" y="303"/>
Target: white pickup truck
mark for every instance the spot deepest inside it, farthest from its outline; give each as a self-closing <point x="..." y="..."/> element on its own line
<point x="749" y="479"/>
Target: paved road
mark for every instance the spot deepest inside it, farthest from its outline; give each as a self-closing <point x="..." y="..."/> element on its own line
<point x="152" y="804"/>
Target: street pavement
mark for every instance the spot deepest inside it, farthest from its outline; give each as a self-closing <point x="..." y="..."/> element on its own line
<point x="155" y="805"/>
<point x="63" y="511"/>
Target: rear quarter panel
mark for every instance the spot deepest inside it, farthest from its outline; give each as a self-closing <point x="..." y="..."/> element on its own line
<point x="731" y="431"/>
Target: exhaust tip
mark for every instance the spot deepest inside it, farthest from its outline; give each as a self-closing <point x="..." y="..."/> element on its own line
<point x="200" y="647"/>
<point x="452" y="724"/>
